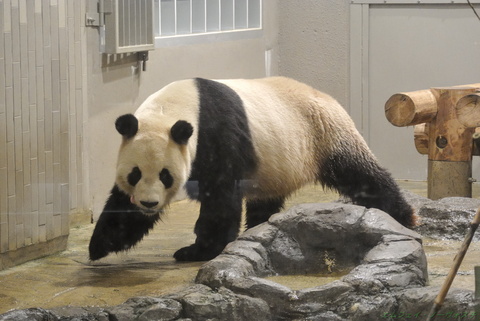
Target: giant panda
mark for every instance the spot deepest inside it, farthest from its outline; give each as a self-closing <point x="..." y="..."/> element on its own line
<point x="276" y="134"/>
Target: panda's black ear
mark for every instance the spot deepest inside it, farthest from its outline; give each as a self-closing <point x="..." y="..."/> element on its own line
<point x="181" y="131"/>
<point x="127" y="125"/>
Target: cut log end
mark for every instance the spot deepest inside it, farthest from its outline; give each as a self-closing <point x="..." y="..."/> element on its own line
<point x="468" y="110"/>
<point x="412" y="108"/>
<point x="400" y="110"/>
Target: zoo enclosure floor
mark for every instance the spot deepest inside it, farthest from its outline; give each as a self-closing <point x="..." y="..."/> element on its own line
<point x="69" y="278"/>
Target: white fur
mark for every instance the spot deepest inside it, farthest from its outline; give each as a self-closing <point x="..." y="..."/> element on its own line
<point x="286" y="118"/>
<point x="152" y="148"/>
<point x="293" y="127"/>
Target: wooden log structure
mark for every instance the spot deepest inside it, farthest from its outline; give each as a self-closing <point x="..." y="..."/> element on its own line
<point x="420" y="134"/>
<point x="445" y="121"/>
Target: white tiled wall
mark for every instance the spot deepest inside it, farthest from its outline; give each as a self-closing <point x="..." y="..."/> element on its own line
<point x="41" y="119"/>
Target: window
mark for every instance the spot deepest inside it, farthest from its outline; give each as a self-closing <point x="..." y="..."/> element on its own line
<point x="175" y="18"/>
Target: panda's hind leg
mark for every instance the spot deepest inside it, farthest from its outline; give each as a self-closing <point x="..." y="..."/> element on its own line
<point x="366" y="183"/>
<point x="259" y="211"/>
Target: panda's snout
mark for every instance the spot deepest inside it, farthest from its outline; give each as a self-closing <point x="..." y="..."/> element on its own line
<point x="149" y="204"/>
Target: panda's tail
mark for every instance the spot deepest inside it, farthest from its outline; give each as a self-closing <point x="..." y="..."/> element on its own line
<point x="359" y="177"/>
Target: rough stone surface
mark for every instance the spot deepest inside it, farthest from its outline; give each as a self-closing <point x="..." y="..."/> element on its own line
<point x="387" y="264"/>
<point x="448" y="218"/>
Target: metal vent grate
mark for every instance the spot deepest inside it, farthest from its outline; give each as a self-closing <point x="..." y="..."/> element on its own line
<point x="128" y="26"/>
<point x="184" y="17"/>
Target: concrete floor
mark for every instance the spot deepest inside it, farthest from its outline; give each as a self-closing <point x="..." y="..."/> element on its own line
<point x="70" y="279"/>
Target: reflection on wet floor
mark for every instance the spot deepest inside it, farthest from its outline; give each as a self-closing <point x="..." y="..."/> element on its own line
<point x="70" y="279"/>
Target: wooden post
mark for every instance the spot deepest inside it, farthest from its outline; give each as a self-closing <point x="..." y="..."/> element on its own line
<point x="477" y="290"/>
<point x="450" y="147"/>
<point x="440" y="134"/>
<point x="420" y="138"/>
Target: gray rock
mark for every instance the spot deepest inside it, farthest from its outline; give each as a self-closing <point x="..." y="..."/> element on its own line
<point x="164" y="310"/>
<point x="417" y="302"/>
<point x="369" y="308"/>
<point x="448" y="218"/>
<point x="263" y="233"/>
<point x="206" y="305"/>
<point x="325" y="293"/>
<point x="329" y="315"/>
<point x="200" y="302"/>
<point x="377" y="223"/>
<point x="387" y="264"/>
<point x="274" y="294"/>
<point x="387" y="257"/>
<point x="34" y="314"/>
<point x="286" y="255"/>
<point x="246" y="307"/>
<point x="223" y="269"/>
<point x="254" y="252"/>
<point x="81" y="313"/>
<point x="407" y="251"/>
<point x="135" y="307"/>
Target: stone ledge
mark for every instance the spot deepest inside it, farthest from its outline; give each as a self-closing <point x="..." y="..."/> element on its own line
<point x="387" y="277"/>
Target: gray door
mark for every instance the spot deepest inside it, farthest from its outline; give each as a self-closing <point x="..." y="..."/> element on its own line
<point x="407" y="47"/>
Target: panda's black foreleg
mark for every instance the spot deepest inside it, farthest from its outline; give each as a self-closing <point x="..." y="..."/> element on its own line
<point x="259" y="211"/>
<point x="217" y="225"/>
<point x="120" y="226"/>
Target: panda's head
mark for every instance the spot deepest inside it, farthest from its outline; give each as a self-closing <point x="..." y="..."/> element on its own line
<point x="153" y="161"/>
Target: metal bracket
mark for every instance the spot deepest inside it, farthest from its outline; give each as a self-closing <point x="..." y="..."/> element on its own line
<point x="142" y="57"/>
<point x="97" y="19"/>
<point x="92" y="19"/>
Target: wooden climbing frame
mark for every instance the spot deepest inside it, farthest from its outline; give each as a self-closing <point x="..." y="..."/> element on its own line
<point x="445" y="120"/>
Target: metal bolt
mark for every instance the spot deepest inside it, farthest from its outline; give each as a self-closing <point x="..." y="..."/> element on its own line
<point x="441" y="142"/>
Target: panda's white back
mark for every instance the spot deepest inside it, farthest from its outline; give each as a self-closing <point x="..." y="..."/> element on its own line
<point x="287" y="122"/>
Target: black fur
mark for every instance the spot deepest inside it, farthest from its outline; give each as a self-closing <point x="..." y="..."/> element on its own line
<point x="127" y="125"/>
<point x="259" y="211"/>
<point x="135" y="176"/>
<point x="166" y="178"/>
<point x="120" y="226"/>
<point x="225" y="155"/>
<point x="181" y="131"/>
<point x="366" y="183"/>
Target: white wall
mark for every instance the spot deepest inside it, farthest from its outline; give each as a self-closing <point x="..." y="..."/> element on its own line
<point x="314" y="44"/>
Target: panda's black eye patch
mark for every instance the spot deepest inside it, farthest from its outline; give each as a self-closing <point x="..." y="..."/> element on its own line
<point x="166" y="178"/>
<point x="134" y="176"/>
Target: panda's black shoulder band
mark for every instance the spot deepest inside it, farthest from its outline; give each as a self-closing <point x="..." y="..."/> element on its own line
<point x="127" y="125"/>
<point x="181" y="131"/>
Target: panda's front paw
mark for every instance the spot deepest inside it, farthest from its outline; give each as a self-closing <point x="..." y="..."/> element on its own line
<point x="195" y="252"/>
<point x="98" y="249"/>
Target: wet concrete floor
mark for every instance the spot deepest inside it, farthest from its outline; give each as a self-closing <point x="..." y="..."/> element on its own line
<point x="150" y="270"/>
